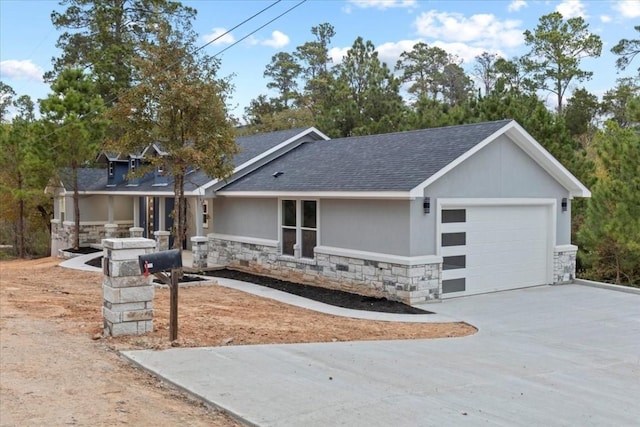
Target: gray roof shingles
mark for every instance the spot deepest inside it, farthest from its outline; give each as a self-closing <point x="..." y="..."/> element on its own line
<point x="250" y="147"/>
<point x="387" y="162"/>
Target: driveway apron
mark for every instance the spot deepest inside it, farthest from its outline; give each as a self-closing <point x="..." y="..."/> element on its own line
<point x="552" y="355"/>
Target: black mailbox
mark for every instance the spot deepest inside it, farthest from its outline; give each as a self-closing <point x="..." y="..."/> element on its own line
<point x="160" y="261"/>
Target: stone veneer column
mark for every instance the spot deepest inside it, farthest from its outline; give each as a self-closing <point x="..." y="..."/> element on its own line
<point x="127" y="295"/>
<point x="199" y="250"/>
<point x="564" y="263"/>
<point x="110" y="231"/>
<point x="162" y="240"/>
<point x="136" y="231"/>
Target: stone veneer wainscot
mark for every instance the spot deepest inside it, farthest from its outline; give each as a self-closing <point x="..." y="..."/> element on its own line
<point x="411" y="280"/>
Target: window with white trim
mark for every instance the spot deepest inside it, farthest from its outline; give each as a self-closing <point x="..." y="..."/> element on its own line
<point x="205" y="214"/>
<point x="299" y="227"/>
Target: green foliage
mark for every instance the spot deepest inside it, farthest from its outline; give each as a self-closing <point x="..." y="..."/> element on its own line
<point x="580" y="112"/>
<point x="616" y="103"/>
<point x="104" y="36"/>
<point x="610" y="234"/>
<point x="284" y="72"/>
<point x="627" y="50"/>
<point x="180" y="104"/>
<point x="73" y="117"/>
<point x="557" y="47"/>
<point x="24" y="172"/>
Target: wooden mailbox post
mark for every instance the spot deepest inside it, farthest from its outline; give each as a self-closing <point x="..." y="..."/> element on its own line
<point x="157" y="263"/>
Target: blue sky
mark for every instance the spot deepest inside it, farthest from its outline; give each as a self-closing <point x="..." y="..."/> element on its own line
<point x="465" y="28"/>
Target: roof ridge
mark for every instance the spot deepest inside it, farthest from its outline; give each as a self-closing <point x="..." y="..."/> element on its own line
<point x="421" y="130"/>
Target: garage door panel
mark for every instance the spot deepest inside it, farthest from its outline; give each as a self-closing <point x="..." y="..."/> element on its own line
<point x="506" y="247"/>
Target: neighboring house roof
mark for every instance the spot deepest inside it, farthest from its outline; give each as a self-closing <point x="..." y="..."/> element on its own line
<point x="402" y="162"/>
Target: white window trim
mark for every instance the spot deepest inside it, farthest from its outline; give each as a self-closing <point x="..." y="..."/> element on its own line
<point x="297" y="247"/>
<point x="205" y="214"/>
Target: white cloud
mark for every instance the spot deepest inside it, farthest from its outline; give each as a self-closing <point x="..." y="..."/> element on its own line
<point x="23" y="70"/>
<point x="516" y="5"/>
<point x="278" y="39"/>
<point x="571" y="9"/>
<point x="628" y="8"/>
<point x="217" y="35"/>
<point x="605" y="18"/>
<point x="382" y="4"/>
<point x="466" y="52"/>
<point x="481" y="30"/>
<point x="390" y="52"/>
<point x="337" y="53"/>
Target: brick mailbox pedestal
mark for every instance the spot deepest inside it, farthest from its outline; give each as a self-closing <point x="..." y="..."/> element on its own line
<point x="127" y="295"/>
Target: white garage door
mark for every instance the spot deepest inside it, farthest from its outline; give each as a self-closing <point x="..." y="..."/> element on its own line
<point x="492" y="248"/>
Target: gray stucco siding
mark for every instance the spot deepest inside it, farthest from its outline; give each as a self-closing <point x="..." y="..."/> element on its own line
<point x="96" y="208"/>
<point x="245" y="217"/>
<point x="499" y="170"/>
<point x="380" y="226"/>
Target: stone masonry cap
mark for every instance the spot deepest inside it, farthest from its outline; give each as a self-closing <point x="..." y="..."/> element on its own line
<point x="128" y="243"/>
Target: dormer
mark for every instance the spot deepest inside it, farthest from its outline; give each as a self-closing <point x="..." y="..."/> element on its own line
<point x="117" y="168"/>
<point x="160" y="175"/>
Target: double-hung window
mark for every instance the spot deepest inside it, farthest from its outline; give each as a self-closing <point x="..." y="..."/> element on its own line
<point x="299" y="227"/>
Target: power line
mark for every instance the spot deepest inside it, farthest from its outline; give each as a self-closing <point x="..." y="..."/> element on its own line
<point x="239" y="25"/>
<point x="208" y="43"/>
<point x="259" y="28"/>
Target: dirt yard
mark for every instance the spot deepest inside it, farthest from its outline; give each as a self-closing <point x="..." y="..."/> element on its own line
<point x="57" y="369"/>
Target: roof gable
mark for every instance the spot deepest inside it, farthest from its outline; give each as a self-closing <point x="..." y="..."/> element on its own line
<point x="387" y="162"/>
<point x="394" y="163"/>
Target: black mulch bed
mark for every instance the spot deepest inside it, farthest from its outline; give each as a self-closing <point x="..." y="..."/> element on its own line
<point x="82" y="250"/>
<point x="327" y="296"/>
<point x="95" y="262"/>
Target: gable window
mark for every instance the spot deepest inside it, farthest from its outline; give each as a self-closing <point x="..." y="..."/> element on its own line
<point x="299" y="227"/>
<point x="111" y="166"/>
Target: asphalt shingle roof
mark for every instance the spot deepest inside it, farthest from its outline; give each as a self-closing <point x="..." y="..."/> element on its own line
<point x="388" y="162"/>
<point x="89" y="179"/>
<point x="250" y="147"/>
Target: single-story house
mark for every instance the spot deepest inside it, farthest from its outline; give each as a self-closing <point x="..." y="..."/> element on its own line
<point x="412" y="216"/>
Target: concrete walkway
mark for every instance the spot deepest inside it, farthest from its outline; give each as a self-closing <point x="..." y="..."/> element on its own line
<point x="552" y="355"/>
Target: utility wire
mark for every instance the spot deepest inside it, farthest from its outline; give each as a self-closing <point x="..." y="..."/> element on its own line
<point x="259" y="28"/>
<point x="240" y="24"/>
<point x="208" y="43"/>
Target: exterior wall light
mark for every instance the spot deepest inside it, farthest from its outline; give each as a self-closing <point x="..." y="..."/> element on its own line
<point x="426" y="205"/>
<point x="564" y="204"/>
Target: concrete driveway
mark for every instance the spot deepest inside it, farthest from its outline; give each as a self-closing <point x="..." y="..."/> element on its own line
<point x="549" y="356"/>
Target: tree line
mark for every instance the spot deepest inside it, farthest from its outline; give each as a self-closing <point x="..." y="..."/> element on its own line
<point x="130" y="73"/>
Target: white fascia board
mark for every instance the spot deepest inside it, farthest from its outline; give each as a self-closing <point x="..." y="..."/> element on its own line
<point x="267" y="153"/>
<point x="127" y="193"/>
<point x="549" y="163"/>
<point x="380" y="257"/>
<point x="418" y="191"/>
<point x="398" y="195"/>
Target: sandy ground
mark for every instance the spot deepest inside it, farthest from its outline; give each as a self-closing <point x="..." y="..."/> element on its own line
<point x="57" y="369"/>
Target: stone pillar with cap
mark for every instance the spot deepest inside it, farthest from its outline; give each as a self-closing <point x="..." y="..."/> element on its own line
<point x="127" y="295"/>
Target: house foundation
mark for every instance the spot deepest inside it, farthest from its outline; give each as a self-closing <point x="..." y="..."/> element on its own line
<point x="127" y="295"/>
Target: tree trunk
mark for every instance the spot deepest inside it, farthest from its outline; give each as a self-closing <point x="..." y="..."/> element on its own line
<point x="20" y="228"/>
<point x="76" y="207"/>
<point x="179" y="222"/>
